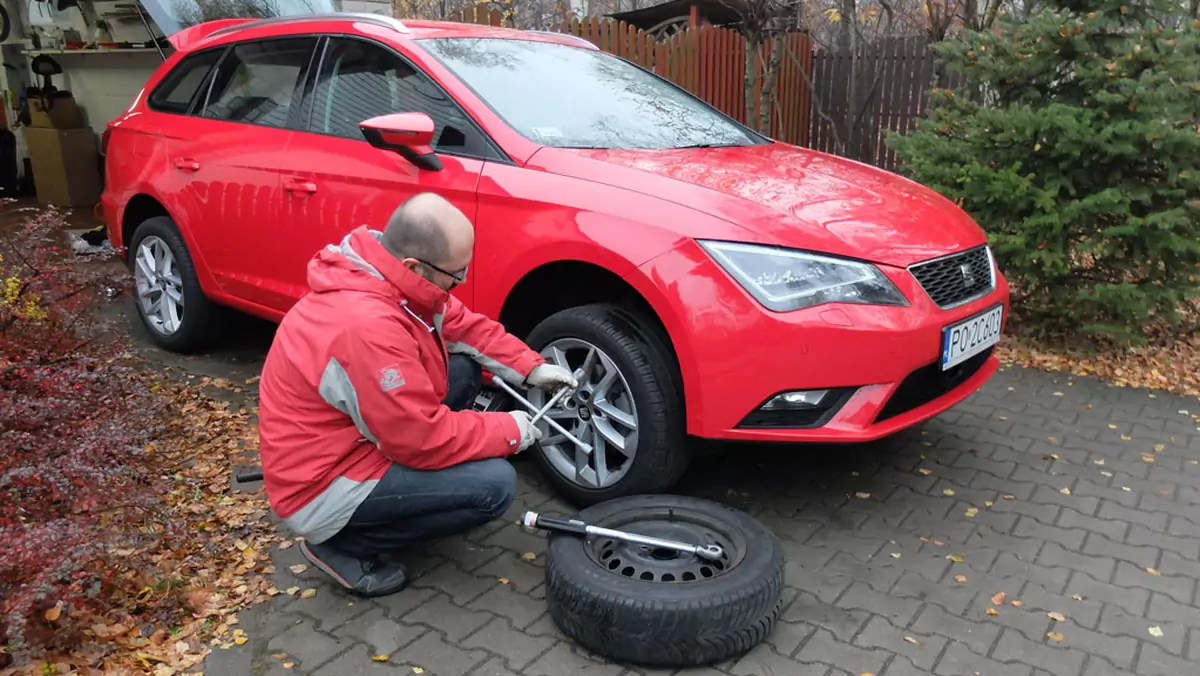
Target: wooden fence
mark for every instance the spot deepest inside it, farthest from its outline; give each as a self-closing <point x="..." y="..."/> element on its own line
<point x="709" y="62"/>
<point x="890" y="94"/>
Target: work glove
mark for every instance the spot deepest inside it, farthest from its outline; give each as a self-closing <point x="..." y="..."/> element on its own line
<point x="529" y="432"/>
<point x="551" y="377"/>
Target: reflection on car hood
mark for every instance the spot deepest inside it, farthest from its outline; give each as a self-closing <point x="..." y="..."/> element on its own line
<point x="787" y="196"/>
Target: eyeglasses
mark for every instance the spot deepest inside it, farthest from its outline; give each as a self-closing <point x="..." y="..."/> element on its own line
<point x="458" y="277"/>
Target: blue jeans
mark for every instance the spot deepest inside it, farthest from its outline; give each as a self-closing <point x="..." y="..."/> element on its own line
<point x="410" y="506"/>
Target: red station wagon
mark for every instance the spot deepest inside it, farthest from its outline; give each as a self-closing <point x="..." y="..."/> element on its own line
<point x="712" y="282"/>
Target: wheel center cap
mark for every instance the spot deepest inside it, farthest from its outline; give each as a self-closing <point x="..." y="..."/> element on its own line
<point x="585" y="414"/>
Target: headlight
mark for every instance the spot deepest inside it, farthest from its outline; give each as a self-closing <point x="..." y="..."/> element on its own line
<point x="786" y="279"/>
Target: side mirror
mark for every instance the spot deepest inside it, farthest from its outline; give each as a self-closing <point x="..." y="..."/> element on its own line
<point x="410" y="134"/>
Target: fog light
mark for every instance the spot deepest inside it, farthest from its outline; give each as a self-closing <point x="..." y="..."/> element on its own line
<point x="797" y="400"/>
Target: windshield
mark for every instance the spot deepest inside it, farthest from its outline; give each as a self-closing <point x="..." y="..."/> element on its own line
<point x="570" y="97"/>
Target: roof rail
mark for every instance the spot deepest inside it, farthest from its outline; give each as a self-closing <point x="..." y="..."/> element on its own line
<point x="377" y="19"/>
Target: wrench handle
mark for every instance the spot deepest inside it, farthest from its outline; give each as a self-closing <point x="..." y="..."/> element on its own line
<point x="534" y="409"/>
<point x="554" y="524"/>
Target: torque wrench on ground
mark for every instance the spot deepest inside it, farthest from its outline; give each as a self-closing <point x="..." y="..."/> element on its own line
<point x="534" y="409"/>
<point x="556" y="524"/>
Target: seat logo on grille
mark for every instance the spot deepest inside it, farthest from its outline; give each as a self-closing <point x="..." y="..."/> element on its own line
<point x="967" y="274"/>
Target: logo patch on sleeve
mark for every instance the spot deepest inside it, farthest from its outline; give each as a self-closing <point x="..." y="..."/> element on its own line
<point x="390" y="378"/>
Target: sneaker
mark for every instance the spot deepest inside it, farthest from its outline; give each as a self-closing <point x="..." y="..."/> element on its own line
<point x="365" y="578"/>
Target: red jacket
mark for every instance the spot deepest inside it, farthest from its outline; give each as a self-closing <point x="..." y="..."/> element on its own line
<point x="355" y="379"/>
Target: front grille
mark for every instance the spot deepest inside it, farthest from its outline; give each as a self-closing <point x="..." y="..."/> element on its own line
<point x="928" y="383"/>
<point x="797" y="419"/>
<point x="956" y="279"/>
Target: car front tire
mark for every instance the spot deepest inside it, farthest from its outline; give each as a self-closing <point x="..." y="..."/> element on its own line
<point x="629" y="406"/>
<point x="170" y="303"/>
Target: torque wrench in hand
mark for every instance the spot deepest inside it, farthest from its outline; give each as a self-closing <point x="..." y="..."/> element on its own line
<point x="577" y="527"/>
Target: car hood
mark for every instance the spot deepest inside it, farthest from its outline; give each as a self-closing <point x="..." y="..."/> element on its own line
<point x="788" y="196"/>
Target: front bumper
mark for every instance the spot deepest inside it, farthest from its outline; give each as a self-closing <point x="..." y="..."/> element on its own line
<point x="881" y="364"/>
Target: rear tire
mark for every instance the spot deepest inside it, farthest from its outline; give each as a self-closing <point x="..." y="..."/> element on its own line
<point x="649" y="395"/>
<point x="164" y="273"/>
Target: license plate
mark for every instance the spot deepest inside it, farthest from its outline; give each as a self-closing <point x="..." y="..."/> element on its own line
<point x="971" y="336"/>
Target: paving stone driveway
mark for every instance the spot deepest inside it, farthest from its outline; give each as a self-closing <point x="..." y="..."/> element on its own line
<point x="1079" y="490"/>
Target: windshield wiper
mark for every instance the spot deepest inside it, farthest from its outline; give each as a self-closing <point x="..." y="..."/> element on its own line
<point x="708" y="145"/>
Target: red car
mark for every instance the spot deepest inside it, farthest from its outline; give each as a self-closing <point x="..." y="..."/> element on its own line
<point x="714" y="283"/>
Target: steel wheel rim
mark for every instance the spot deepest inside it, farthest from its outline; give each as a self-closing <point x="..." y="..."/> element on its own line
<point x="655" y="565"/>
<point x="159" y="285"/>
<point x="602" y="412"/>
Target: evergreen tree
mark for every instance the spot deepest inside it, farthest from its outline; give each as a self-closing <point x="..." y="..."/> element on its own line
<point x="1074" y="141"/>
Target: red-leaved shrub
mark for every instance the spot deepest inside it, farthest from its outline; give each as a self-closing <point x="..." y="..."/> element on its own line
<point x="74" y="426"/>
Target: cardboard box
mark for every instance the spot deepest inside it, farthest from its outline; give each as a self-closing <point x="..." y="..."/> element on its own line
<point x="63" y="113"/>
<point x="66" y="166"/>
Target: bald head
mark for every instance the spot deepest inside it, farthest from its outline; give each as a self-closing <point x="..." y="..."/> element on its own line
<point x="427" y="229"/>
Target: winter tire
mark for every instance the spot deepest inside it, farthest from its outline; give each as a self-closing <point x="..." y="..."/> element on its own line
<point x="629" y="406"/>
<point x="659" y="608"/>
<point x="167" y="293"/>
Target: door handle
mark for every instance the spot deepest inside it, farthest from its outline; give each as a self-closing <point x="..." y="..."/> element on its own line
<point x="184" y="164"/>
<point x="301" y="186"/>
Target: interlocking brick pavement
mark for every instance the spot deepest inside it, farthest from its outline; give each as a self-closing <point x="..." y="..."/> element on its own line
<point x="1074" y="505"/>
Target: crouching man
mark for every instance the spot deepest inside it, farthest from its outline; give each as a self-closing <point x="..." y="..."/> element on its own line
<point x="367" y="437"/>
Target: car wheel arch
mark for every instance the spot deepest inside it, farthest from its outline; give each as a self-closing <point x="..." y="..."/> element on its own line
<point x="560" y="284"/>
<point x="145" y="205"/>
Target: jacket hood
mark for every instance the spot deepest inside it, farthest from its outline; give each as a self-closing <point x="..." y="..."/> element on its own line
<point x="360" y="263"/>
<point x="784" y="195"/>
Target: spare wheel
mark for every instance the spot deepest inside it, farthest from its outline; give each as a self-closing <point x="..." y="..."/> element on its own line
<point x="657" y="607"/>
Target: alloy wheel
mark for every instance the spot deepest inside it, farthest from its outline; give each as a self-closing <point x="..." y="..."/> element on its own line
<point x="601" y="412"/>
<point x="159" y="285"/>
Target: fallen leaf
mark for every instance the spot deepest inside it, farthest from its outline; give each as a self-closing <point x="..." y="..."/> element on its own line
<point x="948" y="491"/>
<point x="1064" y="490"/>
<point x="1156" y="632"/>
<point x="380" y="658"/>
<point x="1010" y="497"/>
<point x="1126" y="437"/>
<point x="1153" y="571"/>
<point x="279" y="656"/>
<point x="1077" y="597"/>
<point x="960" y="578"/>
<point x="529" y="556"/>
<point x="863" y="496"/>
<point x="912" y="640"/>
<point x="993" y="611"/>
<point x="925" y="472"/>
<point x="1147" y="457"/>
<point x="1159" y="448"/>
<point x="503" y="580"/>
<point x="998" y="599"/>
<point x="1052" y="456"/>
<point x="1057" y="617"/>
<point x="988" y="503"/>
<point x="1098" y="462"/>
<point x="241" y="640"/>
<point x="1105" y="472"/>
<point x="956" y="558"/>
<point x="895" y="555"/>
<point x="972" y="511"/>
<point x="308" y="593"/>
<point x="1112" y="426"/>
<point x="54" y="612"/>
<point x="1055" y="636"/>
<point x="418" y="670"/>
<point x="1018" y="604"/>
<point x="939" y="543"/>
<point x="292" y="590"/>
<point x="285" y="544"/>
<point x="1126" y="488"/>
<point x="288" y="665"/>
<point x="298" y="568"/>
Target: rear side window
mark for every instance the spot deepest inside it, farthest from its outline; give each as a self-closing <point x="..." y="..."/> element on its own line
<point x="177" y="90"/>
<point x="256" y="81"/>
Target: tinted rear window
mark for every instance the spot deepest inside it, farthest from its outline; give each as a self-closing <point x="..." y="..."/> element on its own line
<point x="175" y="93"/>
